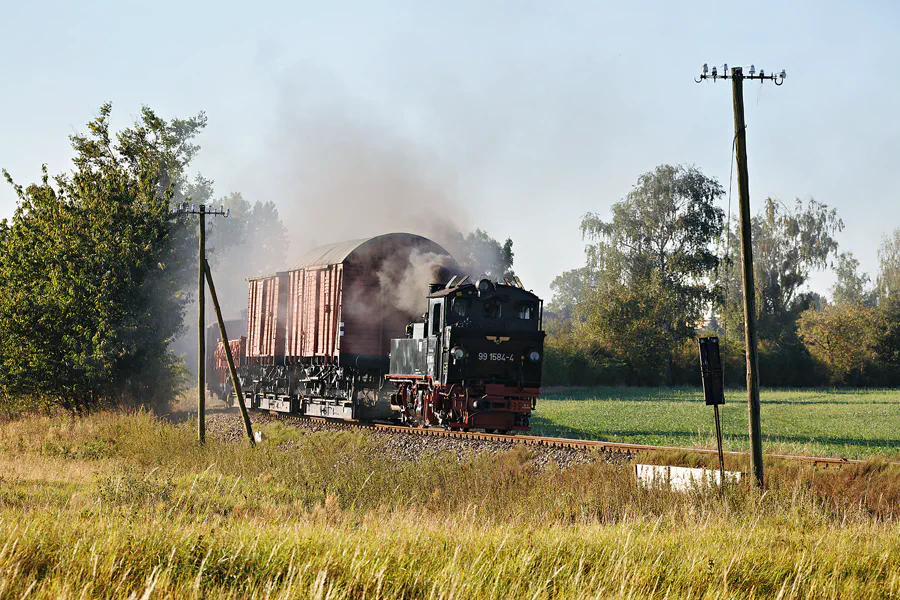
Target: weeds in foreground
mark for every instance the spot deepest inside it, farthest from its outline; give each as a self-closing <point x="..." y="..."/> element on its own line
<point x="155" y="515"/>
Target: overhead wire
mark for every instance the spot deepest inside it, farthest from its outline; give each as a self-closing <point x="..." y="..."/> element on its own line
<point x="727" y="260"/>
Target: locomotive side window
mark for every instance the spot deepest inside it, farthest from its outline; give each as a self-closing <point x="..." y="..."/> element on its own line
<point x="526" y="311"/>
<point x="492" y="309"/>
<point x="436" y="319"/>
<point x="461" y="306"/>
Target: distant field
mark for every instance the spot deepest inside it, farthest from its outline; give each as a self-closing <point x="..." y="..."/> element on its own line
<point x="852" y="424"/>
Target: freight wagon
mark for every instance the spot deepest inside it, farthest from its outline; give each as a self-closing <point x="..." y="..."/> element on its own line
<point x="319" y="334"/>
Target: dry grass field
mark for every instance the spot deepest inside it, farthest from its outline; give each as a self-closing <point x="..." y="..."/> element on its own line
<point x="116" y="505"/>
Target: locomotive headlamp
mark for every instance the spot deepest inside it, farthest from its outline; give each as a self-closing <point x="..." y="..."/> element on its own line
<point x="485" y="286"/>
<point x="534" y="356"/>
<point x="457" y="353"/>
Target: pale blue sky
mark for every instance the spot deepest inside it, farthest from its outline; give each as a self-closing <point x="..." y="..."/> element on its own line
<point x="519" y="116"/>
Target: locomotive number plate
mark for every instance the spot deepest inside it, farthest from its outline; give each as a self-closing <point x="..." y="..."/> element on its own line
<point x="496" y="356"/>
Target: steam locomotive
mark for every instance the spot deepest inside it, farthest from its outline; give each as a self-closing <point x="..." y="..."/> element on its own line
<point x="326" y="338"/>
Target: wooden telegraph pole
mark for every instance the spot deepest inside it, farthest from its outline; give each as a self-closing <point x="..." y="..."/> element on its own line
<point x="749" y="289"/>
<point x="201" y="212"/>
<point x="201" y="329"/>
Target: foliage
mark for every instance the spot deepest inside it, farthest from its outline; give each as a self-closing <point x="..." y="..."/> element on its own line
<point x="92" y="271"/>
<point x="850" y="287"/>
<point x="887" y="339"/>
<point x="251" y="241"/>
<point x="664" y="226"/>
<point x="638" y="325"/>
<point x="646" y="283"/>
<point x="888" y="282"/>
<point x="842" y="337"/>
<point x="788" y="243"/>
<point x="570" y="289"/>
<point x="480" y="254"/>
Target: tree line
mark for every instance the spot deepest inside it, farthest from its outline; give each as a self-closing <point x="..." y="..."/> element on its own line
<point x="97" y="274"/>
<point x="665" y="269"/>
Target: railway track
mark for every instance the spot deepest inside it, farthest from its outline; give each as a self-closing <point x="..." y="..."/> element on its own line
<point x="600" y="446"/>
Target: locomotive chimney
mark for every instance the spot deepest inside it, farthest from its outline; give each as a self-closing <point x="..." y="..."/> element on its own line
<point x="435" y="287"/>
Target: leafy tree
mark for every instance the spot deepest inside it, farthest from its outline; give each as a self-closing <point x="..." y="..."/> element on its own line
<point x="788" y="243"/>
<point x="92" y="271"/>
<point x="842" y="337"/>
<point x="850" y="287"/>
<point x="480" y="254"/>
<point x="887" y="340"/>
<point x="624" y="322"/>
<point x="655" y="257"/>
<point x="665" y="225"/>
<point x="888" y="282"/>
<point x="251" y="241"/>
<point x="570" y="289"/>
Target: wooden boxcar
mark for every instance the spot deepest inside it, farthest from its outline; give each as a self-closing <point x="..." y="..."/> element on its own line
<point x="319" y="334"/>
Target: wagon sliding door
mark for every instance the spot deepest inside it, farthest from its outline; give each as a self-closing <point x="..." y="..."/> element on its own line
<point x="318" y="311"/>
<point x="329" y="282"/>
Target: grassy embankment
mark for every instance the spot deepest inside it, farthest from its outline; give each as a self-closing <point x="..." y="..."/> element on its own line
<point x="113" y="505"/>
<point x="852" y="424"/>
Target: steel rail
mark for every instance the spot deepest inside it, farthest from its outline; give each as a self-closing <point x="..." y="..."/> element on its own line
<point x="598" y="445"/>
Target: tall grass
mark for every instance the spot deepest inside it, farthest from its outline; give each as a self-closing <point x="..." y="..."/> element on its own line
<point x="126" y="505"/>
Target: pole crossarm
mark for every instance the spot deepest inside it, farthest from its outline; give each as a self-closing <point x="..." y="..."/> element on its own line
<point x="713" y="75"/>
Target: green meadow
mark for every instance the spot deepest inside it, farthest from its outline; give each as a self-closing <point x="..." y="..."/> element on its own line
<point x="845" y="423"/>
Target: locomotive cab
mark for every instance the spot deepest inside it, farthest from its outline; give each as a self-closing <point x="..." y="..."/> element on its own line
<point x="474" y="362"/>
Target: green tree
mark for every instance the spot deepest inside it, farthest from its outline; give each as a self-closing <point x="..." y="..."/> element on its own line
<point x="887" y="340"/>
<point x="654" y="258"/>
<point x="480" y="254"/>
<point x="251" y="241"/>
<point x="788" y="243"/>
<point x="624" y="322"/>
<point x="888" y="281"/>
<point x="850" y="287"/>
<point x="570" y="289"/>
<point x="842" y="338"/>
<point x="93" y="271"/>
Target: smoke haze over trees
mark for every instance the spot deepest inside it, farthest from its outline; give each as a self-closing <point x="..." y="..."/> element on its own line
<point x="97" y="275"/>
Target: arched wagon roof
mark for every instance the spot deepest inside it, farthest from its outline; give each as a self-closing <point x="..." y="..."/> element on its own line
<point x="343" y="252"/>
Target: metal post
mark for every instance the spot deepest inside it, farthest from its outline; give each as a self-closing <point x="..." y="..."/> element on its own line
<point x="201" y="331"/>
<point x="740" y="132"/>
<point x="235" y="381"/>
<point x="719" y="441"/>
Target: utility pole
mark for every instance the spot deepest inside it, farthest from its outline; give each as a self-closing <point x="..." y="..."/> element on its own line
<point x="201" y="328"/>
<point x="201" y="212"/>
<point x="749" y="289"/>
